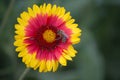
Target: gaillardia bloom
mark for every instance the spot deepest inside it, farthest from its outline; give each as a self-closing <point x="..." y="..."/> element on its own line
<point x="44" y="37"/>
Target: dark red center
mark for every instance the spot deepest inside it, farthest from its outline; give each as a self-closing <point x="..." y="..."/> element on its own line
<point x="37" y="26"/>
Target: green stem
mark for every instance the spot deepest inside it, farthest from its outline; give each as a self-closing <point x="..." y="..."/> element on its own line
<point x="7" y="13"/>
<point x="24" y="74"/>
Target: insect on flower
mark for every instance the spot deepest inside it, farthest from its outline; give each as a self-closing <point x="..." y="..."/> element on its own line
<point x="62" y="35"/>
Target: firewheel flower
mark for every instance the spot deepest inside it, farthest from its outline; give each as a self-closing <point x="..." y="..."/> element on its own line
<point x="45" y="36"/>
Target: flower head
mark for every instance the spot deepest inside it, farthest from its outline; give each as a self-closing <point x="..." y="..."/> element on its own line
<point x="44" y="37"/>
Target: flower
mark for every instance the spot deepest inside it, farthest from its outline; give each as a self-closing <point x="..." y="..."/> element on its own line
<point x="44" y="37"/>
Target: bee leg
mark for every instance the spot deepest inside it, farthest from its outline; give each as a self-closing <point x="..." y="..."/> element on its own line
<point x="58" y="38"/>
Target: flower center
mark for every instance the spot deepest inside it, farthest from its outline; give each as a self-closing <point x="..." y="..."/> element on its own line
<point x="49" y="35"/>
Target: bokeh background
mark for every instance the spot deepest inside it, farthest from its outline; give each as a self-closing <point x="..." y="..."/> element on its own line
<point x="98" y="55"/>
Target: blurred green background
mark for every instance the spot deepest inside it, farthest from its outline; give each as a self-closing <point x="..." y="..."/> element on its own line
<point x="98" y="55"/>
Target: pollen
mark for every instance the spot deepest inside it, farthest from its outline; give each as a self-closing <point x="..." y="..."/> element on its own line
<point x="49" y="36"/>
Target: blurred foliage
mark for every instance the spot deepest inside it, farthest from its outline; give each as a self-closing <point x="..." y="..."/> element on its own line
<point x="98" y="55"/>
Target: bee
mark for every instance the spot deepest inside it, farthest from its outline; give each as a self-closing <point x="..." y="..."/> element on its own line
<point x="62" y="35"/>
